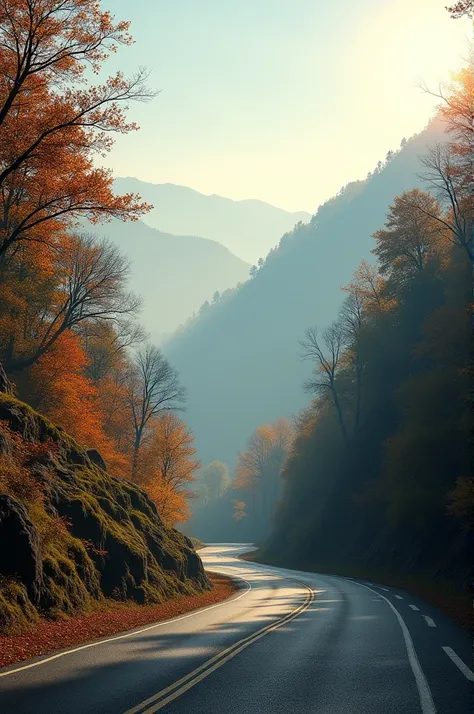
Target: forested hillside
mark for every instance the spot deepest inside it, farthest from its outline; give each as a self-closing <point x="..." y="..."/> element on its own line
<point x="379" y="477"/>
<point x="76" y="534"/>
<point x="247" y="228"/>
<point x="242" y="359"/>
<point x="174" y="274"/>
<point x="95" y="464"/>
<point x="70" y="337"/>
<point x="379" y="481"/>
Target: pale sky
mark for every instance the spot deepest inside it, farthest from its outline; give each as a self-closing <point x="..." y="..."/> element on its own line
<point x="280" y="100"/>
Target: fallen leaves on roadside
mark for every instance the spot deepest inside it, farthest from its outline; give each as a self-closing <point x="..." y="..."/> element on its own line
<point x="49" y="636"/>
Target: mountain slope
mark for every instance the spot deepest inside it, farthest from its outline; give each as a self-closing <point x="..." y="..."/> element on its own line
<point x="241" y="363"/>
<point x="247" y="228"/>
<point x="174" y="274"/>
<point x="76" y="534"/>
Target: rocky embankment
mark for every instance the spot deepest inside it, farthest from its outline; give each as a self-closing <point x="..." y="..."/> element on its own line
<point x="71" y="534"/>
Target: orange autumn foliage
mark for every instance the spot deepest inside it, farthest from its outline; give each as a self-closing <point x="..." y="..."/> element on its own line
<point x="116" y="418"/>
<point x="65" y="395"/>
<point x="167" y="467"/>
<point x="67" y="318"/>
<point x="54" y="123"/>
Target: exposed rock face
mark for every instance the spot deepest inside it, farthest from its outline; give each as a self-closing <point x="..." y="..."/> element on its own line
<point x="5" y="385"/>
<point x="97" y="459"/>
<point x="20" y="552"/>
<point x="91" y="535"/>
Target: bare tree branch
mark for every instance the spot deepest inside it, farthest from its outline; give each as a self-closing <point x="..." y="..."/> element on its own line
<point x="326" y="352"/>
<point x="152" y="388"/>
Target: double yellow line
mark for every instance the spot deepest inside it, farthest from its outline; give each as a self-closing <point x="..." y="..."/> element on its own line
<point x="175" y="690"/>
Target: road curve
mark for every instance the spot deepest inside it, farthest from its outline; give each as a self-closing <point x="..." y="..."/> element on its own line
<point x="287" y="642"/>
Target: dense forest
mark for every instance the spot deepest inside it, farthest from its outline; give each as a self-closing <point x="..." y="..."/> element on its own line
<point x="375" y="476"/>
<point x="380" y="477"/>
<point x="243" y="350"/>
<point x="367" y="304"/>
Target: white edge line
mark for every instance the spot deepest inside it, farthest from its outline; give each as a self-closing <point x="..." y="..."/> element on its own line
<point x="424" y="691"/>
<point x="459" y="663"/>
<point x="132" y="633"/>
<point x="429" y="621"/>
<point x="414" y="607"/>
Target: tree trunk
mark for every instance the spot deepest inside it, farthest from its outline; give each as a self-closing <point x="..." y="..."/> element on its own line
<point x="340" y="415"/>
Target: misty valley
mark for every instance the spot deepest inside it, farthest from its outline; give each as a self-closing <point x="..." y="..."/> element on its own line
<point x="236" y="435"/>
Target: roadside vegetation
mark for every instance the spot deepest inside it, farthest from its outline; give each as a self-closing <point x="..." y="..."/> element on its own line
<point x="111" y="618"/>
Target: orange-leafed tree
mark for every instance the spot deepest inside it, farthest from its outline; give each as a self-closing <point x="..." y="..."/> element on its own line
<point x="168" y="466"/>
<point x="370" y="290"/>
<point x="108" y="365"/>
<point x="116" y="416"/>
<point x="108" y="344"/>
<point x="60" y="389"/>
<point x="258" y="472"/>
<point x="54" y="123"/>
<point x="412" y="238"/>
<point x="449" y="167"/>
<point x="27" y="284"/>
<point x="87" y="285"/>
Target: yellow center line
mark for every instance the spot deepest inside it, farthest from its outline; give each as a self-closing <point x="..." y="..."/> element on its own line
<point x="175" y="690"/>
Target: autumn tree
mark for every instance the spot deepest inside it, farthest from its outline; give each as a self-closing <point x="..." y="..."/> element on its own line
<point x="461" y="8"/>
<point x="54" y="123"/>
<point x="68" y="329"/>
<point x="325" y="350"/>
<point x="398" y="497"/>
<point x="258" y="472"/>
<point x="27" y="287"/>
<point x="412" y="236"/>
<point x="87" y="286"/>
<point x="216" y="479"/>
<point x="168" y="466"/>
<point x="117" y="424"/>
<point x="370" y="288"/>
<point x="152" y="387"/>
<point x="352" y="319"/>
<point x="449" y="167"/>
<point x="252" y="463"/>
<point x="107" y="344"/>
<point x="452" y="184"/>
<point x="58" y="387"/>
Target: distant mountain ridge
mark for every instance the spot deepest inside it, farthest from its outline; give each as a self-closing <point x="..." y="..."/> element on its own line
<point x="241" y="363"/>
<point x="248" y="228"/>
<point x="174" y="274"/>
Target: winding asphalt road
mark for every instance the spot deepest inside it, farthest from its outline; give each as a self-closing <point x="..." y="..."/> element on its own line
<point x="288" y="642"/>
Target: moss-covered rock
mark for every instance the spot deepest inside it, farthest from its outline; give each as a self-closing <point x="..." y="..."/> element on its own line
<point x="20" y="555"/>
<point x="89" y="536"/>
<point x="16" y="610"/>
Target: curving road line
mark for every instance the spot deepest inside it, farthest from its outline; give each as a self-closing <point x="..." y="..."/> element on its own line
<point x="291" y="641"/>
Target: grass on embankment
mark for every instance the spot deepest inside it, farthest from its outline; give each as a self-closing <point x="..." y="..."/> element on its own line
<point x="440" y="593"/>
<point x="109" y="618"/>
